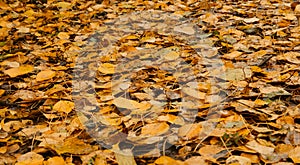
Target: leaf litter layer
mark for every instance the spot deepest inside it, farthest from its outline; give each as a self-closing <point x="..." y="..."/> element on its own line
<point x="149" y="113"/>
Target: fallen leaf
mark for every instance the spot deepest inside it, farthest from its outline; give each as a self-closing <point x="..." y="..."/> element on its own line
<point x="187" y="29"/>
<point x="264" y="150"/>
<point x="155" y="129"/>
<point x="63" y="106"/>
<point x="122" y="102"/>
<point x="194" y="93"/>
<point x="63" y="35"/>
<point x="2" y="91"/>
<point x="232" y="55"/>
<point x="210" y="151"/>
<point x="232" y="160"/>
<point x="251" y="20"/>
<point x="107" y="68"/>
<point x="165" y="160"/>
<point x="171" y="55"/>
<point x="196" y="160"/>
<point x="293" y="57"/>
<point x="190" y="131"/>
<point x="295" y="155"/>
<point x="31" y="158"/>
<point x="72" y="146"/>
<point x="56" y="160"/>
<point x="272" y="91"/>
<point x="45" y="75"/>
<point x="14" y="72"/>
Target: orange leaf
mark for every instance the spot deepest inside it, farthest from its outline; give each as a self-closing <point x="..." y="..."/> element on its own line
<point x="63" y="106"/>
<point x="155" y="129"/>
<point x="45" y="75"/>
<point x="56" y="160"/>
<point x="14" y="72"/>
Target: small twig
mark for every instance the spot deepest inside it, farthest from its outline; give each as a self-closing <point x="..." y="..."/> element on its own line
<point x="226" y="146"/>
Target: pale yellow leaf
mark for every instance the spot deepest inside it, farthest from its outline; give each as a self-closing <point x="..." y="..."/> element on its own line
<point x="293" y="57"/>
<point x="187" y="29"/>
<point x="171" y="55"/>
<point x="122" y="102"/>
<point x="194" y="93"/>
<point x="31" y="158"/>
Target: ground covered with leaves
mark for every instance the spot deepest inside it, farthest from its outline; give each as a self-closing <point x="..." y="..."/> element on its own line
<point x="149" y="82"/>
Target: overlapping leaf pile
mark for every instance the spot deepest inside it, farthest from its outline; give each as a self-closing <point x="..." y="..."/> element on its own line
<point x="251" y="100"/>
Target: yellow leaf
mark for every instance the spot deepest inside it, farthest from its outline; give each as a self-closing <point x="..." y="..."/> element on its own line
<point x="64" y="5"/>
<point x="232" y="160"/>
<point x="14" y="72"/>
<point x="293" y="57"/>
<point x="63" y="35"/>
<point x="155" y="129"/>
<point x="31" y="158"/>
<point x="187" y="29"/>
<point x="122" y="102"/>
<point x="2" y="91"/>
<point x="148" y="39"/>
<point x="194" y="93"/>
<point x="107" y="68"/>
<point x="72" y="146"/>
<point x="210" y="150"/>
<point x="63" y="106"/>
<point x="56" y="160"/>
<point x="190" y="131"/>
<point x="260" y="102"/>
<point x="110" y="119"/>
<point x="232" y="55"/>
<point x="45" y="75"/>
<point x="171" y="55"/>
<point x="295" y="155"/>
<point x="165" y="160"/>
